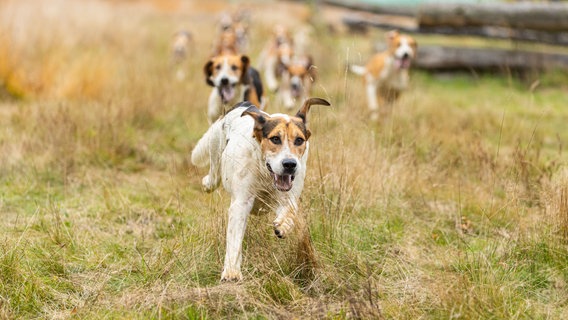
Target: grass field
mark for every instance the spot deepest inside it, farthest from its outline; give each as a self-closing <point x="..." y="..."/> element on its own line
<point x="454" y="206"/>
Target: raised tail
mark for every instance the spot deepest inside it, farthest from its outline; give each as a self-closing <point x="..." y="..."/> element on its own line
<point x="360" y="70"/>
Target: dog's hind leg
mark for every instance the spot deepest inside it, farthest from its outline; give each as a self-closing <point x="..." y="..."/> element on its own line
<point x="238" y="214"/>
<point x="371" y="90"/>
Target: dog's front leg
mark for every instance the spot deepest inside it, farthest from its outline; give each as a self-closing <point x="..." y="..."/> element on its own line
<point x="238" y="214"/>
<point x="270" y="73"/>
<point x="284" y="222"/>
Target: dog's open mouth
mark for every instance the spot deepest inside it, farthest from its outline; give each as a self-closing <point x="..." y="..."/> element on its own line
<point x="403" y="63"/>
<point x="227" y="92"/>
<point x="281" y="182"/>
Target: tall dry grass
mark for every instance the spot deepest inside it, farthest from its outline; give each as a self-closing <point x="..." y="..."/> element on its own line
<point x="453" y="206"/>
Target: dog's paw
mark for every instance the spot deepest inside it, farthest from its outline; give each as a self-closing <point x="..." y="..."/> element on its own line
<point x="282" y="226"/>
<point x="231" y="275"/>
<point x="209" y="184"/>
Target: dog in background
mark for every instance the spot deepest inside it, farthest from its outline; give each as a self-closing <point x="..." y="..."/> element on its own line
<point x="233" y="33"/>
<point x="297" y="81"/>
<point x="233" y="80"/>
<point x="386" y="73"/>
<point x="276" y="56"/>
<point x="180" y="49"/>
<point x="261" y="159"/>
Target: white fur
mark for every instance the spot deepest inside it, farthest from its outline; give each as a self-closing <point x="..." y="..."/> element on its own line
<point x="235" y="158"/>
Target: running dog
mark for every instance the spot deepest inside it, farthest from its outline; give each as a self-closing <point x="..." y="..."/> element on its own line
<point x="297" y="81"/>
<point x="261" y="160"/>
<point x="275" y="56"/>
<point x="386" y="73"/>
<point x="233" y="80"/>
<point x="181" y="46"/>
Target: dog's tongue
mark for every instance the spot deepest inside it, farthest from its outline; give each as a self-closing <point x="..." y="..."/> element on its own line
<point x="403" y="63"/>
<point x="283" y="182"/>
<point x="227" y="93"/>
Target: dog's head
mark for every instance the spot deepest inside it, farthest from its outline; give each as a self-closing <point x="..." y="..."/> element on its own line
<point x="301" y="72"/>
<point x="225" y="73"/>
<point x="282" y="141"/>
<point x="402" y="47"/>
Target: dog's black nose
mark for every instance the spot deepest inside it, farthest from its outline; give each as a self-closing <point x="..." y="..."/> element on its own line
<point x="405" y="55"/>
<point x="289" y="165"/>
<point x="295" y="86"/>
<point x="224" y="81"/>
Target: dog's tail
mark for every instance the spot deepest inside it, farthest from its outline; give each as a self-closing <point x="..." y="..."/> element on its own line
<point x="212" y="141"/>
<point x="360" y="70"/>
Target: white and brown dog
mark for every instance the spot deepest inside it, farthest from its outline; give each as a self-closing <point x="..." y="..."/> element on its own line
<point x="181" y="46"/>
<point x="386" y="73"/>
<point x="297" y="81"/>
<point x="275" y="56"/>
<point x="233" y="80"/>
<point x="261" y="160"/>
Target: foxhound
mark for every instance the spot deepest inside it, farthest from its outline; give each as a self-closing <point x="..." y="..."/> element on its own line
<point x="297" y="82"/>
<point x="233" y="80"/>
<point x="180" y="49"/>
<point x="275" y="56"/>
<point x="386" y="73"/>
<point x="261" y="160"/>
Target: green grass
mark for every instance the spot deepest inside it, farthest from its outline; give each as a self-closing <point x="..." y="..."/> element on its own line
<point x="451" y="207"/>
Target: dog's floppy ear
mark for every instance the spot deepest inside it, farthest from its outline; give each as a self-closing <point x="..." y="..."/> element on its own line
<point x="259" y="120"/>
<point x="208" y="70"/>
<point x="392" y="34"/>
<point x="303" y="112"/>
<point x="246" y="62"/>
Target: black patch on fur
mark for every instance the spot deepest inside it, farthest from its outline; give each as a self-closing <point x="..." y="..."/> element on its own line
<point x="208" y="70"/>
<point x="268" y="127"/>
<point x="256" y="82"/>
<point x="302" y="127"/>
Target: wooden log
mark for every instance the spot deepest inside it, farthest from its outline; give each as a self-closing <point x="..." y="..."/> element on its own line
<point x="552" y="17"/>
<point x="405" y="25"/>
<point x="399" y="10"/>
<point x="460" y="58"/>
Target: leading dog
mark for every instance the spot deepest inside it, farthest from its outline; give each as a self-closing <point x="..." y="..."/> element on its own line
<point x="261" y="160"/>
<point x="386" y="73"/>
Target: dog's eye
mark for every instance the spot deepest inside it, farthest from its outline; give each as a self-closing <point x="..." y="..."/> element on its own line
<point x="234" y="68"/>
<point x="299" y="141"/>
<point x="218" y="67"/>
<point x="276" y="140"/>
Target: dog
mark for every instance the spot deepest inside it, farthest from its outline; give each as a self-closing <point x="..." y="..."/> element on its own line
<point x="180" y="49"/>
<point x="275" y="56"/>
<point x="233" y="33"/>
<point x="297" y="80"/>
<point x="386" y="73"/>
<point x="261" y="160"/>
<point x="233" y="80"/>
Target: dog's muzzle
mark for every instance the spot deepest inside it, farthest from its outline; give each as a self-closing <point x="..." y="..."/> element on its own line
<point x="227" y="90"/>
<point x="404" y="62"/>
<point x="284" y="181"/>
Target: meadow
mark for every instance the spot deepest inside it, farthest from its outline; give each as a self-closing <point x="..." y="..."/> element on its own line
<point x="453" y="206"/>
